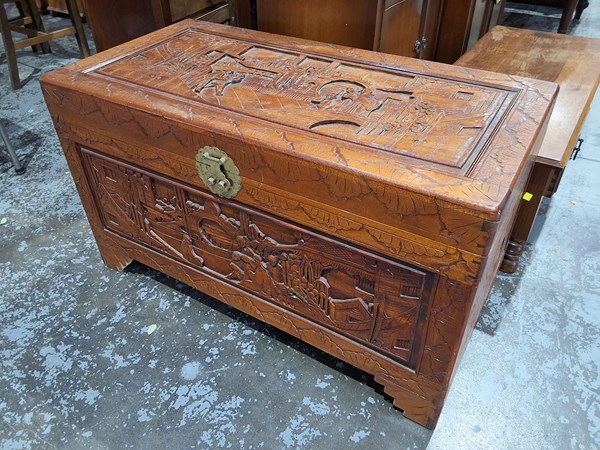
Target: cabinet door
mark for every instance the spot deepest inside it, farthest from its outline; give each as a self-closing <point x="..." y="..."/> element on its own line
<point x="430" y="28"/>
<point x="478" y="25"/>
<point x="243" y="13"/>
<point x="462" y="23"/>
<point x="454" y="30"/>
<point x="344" y="22"/>
<point x="116" y="21"/>
<point x="401" y="27"/>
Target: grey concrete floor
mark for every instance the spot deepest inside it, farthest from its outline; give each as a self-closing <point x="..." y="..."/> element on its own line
<point x="80" y="370"/>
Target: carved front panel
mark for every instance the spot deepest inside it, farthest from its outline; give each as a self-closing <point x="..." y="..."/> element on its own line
<point x="370" y="299"/>
<point x="431" y="118"/>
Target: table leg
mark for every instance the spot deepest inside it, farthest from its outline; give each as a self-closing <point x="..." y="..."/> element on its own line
<point x="541" y="184"/>
<point x="567" y="16"/>
<point x="514" y="250"/>
<point x="581" y="5"/>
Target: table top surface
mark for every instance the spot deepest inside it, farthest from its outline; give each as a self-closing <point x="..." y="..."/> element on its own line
<point x="572" y="62"/>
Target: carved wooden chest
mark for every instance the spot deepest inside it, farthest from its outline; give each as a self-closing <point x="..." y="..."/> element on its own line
<point x="359" y="201"/>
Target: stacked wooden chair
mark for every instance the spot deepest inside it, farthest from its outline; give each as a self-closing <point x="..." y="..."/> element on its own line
<point x="29" y="23"/>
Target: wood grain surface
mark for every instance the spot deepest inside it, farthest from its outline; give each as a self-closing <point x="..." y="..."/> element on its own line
<point x="570" y="61"/>
<point x="377" y="192"/>
<point x="347" y="22"/>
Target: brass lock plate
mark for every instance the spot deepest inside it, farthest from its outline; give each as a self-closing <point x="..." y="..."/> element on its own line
<point x="218" y="172"/>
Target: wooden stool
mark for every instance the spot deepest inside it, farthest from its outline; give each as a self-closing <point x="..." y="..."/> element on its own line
<point x="30" y="24"/>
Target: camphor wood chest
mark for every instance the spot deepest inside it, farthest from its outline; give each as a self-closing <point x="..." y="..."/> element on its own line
<point x="359" y="201"/>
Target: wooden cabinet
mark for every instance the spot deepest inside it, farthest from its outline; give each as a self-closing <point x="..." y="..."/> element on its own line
<point x="344" y="22"/>
<point x="116" y="21"/>
<point x="401" y="27"/>
<point x="345" y="197"/>
<point x="464" y="22"/>
<point x="438" y="30"/>
<point x="410" y="27"/>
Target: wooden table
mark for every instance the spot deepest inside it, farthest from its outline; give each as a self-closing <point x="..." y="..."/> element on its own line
<point x="573" y="63"/>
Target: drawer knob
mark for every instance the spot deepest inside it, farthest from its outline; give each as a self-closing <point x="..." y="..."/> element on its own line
<point x="218" y="172"/>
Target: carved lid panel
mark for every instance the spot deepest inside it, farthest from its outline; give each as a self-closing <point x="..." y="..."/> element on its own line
<point x="427" y="117"/>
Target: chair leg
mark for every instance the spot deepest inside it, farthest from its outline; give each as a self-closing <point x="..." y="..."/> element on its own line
<point x="23" y="13"/>
<point x="19" y="169"/>
<point x="79" y="32"/>
<point x="34" y="12"/>
<point x="28" y="9"/>
<point x="9" y="48"/>
<point x="44" y="7"/>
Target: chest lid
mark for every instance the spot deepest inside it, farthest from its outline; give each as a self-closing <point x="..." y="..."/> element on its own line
<point x="457" y="136"/>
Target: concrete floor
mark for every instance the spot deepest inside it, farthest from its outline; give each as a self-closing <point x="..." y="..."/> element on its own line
<point x="79" y="369"/>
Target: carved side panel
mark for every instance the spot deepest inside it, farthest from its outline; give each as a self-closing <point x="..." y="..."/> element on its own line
<point x="365" y="297"/>
<point x="113" y="192"/>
